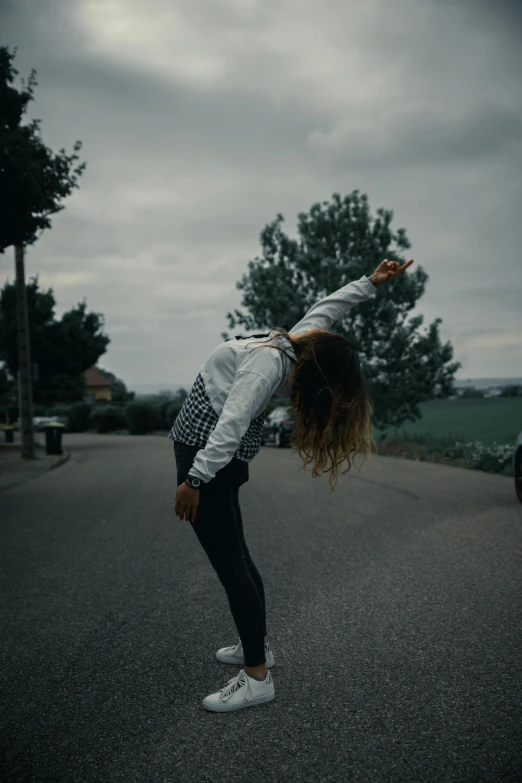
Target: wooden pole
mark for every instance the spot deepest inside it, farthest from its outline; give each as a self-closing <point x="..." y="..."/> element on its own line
<point x="25" y="394"/>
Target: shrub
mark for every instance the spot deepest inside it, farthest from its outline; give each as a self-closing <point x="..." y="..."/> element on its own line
<point x="143" y="417"/>
<point x="78" y="413"/>
<point x="163" y="406"/>
<point x="158" y="413"/>
<point x="493" y="459"/>
<point x="55" y="410"/>
<point x="472" y="392"/>
<point x="511" y="391"/>
<point x="107" y="418"/>
<point x="79" y="416"/>
<point x="171" y="412"/>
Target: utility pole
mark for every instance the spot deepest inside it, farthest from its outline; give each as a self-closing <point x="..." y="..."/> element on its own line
<point x="25" y="393"/>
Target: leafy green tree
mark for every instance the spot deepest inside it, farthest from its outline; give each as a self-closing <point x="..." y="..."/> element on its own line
<point x="62" y="349"/>
<point x="338" y="241"/>
<point x="514" y="390"/>
<point x="168" y="394"/>
<point x="33" y="179"/>
<point x="33" y="182"/>
<point x="165" y="394"/>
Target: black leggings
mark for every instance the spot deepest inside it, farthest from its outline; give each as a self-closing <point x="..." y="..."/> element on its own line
<point x="219" y="528"/>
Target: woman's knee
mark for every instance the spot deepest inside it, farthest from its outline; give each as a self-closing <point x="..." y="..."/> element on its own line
<point x="232" y="569"/>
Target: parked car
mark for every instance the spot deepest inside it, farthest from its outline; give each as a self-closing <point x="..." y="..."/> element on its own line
<point x="277" y="428"/>
<point x="517" y="466"/>
<point x="39" y="422"/>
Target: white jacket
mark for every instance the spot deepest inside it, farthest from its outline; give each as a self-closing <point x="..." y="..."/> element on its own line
<point x="240" y="383"/>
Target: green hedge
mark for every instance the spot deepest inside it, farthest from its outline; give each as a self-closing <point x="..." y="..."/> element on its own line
<point x="107" y="418"/>
<point x="139" y="417"/>
<point x="78" y="413"/>
<point x="171" y="412"/>
<point x="143" y="417"/>
<point x="57" y="410"/>
<point x="80" y="416"/>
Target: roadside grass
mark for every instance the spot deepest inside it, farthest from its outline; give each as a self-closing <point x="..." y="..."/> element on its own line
<point x="474" y="433"/>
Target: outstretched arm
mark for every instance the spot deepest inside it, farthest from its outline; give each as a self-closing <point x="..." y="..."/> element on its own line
<point x="331" y="308"/>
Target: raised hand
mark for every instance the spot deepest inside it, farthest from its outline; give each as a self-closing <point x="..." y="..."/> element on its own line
<point x="387" y="270"/>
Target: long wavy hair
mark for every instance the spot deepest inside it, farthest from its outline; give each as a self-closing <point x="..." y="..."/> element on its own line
<point x="329" y="402"/>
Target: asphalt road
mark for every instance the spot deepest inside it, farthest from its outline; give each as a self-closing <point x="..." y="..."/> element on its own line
<point x="394" y="610"/>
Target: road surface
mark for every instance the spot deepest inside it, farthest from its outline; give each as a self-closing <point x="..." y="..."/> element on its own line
<point x="394" y="610"/>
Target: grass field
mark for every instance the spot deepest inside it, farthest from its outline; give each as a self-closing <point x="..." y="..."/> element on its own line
<point x="495" y="419"/>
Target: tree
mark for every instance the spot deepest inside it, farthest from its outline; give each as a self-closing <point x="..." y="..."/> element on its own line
<point x="62" y="349"/>
<point x="165" y="394"/>
<point x="472" y="392"/>
<point x="514" y="390"/>
<point x="338" y="241"/>
<point x="168" y="394"/>
<point x="33" y="181"/>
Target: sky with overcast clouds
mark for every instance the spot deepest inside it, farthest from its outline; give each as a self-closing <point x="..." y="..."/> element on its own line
<point x="200" y="121"/>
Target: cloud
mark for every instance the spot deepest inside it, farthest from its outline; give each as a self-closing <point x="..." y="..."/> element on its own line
<point x="422" y="139"/>
<point x="201" y="121"/>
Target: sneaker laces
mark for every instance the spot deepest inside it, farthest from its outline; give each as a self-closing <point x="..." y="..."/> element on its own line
<point x="236" y="650"/>
<point x="234" y="684"/>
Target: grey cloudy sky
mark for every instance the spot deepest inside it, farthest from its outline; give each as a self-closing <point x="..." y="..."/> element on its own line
<point x="201" y="121"/>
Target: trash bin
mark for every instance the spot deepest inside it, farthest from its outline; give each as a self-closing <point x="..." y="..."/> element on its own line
<point x="9" y="433"/>
<point x="53" y="437"/>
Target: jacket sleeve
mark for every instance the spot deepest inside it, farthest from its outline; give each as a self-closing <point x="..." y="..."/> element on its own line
<point x="249" y="395"/>
<point x="330" y="309"/>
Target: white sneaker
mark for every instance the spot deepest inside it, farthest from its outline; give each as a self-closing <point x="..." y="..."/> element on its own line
<point x="241" y="691"/>
<point x="236" y="655"/>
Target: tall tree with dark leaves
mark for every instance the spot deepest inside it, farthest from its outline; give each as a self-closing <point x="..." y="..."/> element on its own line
<point x="33" y="182"/>
<point x="62" y="348"/>
<point x="338" y="241"/>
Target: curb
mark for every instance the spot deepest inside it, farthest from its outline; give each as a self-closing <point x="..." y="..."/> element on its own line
<point x="60" y="460"/>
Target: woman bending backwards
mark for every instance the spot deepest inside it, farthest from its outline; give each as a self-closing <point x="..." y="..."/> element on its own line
<point x="218" y="432"/>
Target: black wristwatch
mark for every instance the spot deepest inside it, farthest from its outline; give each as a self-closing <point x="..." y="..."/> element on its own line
<point x="193" y="482"/>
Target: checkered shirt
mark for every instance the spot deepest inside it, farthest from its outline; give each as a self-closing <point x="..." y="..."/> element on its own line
<point x="197" y="419"/>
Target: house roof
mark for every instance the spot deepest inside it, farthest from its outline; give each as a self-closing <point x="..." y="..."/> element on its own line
<point x="93" y="377"/>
